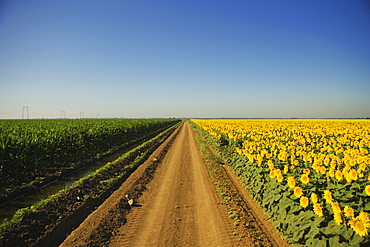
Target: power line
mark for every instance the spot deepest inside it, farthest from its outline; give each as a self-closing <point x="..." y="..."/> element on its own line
<point x="9" y="112"/>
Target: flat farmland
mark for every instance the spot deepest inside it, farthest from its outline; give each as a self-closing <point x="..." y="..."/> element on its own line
<point x="179" y="207"/>
<point x="182" y="195"/>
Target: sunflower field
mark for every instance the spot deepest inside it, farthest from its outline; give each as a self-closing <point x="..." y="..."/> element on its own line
<point x="310" y="176"/>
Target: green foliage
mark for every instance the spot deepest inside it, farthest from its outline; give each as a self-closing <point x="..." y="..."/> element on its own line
<point x="103" y="186"/>
<point x="30" y="147"/>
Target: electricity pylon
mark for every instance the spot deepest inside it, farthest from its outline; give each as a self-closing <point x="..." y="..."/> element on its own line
<point x="28" y="113"/>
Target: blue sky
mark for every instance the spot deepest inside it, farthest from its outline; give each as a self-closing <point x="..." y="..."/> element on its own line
<point x="249" y="59"/>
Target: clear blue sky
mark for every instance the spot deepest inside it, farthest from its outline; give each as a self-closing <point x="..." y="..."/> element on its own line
<point x="212" y="58"/>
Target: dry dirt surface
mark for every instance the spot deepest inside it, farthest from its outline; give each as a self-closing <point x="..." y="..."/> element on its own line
<point x="175" y="204"/>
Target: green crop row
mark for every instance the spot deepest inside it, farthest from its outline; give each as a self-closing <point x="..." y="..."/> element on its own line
<point x="29" y="148"/>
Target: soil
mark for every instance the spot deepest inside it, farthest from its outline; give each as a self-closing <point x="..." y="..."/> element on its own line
<point x="176" y="203"/>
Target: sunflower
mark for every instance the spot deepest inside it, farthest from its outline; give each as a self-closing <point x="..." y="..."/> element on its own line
<point x="272" y="173"/>
<point x="327" y="161"/>
<point x="291" y="182"/>
<point x="348" y="178"/>
<point x="336" y="208"/>
<point x="305" y="179"/>
<point x="348" y="211"/>
<point x="286" y="168"/>
<point x="277" y="172"/>
<point x="259" y="160"/>
<point x="315" y="167"/>
<point x="367" y="160"/>
<point x="298" y="191"/>
<point x="251" y="158"/>
<point x="346" y="169"/>
<point x="359" y="226"/>
<point x="333" y="164"/>
<point x="318" y="210"/>
<point x="338" y="218"/>
<point x="346" y="162"/>
<point x="306" y="171"/>
<point x="322" y="169"/>
<point x="364" y="216"/>
<point x="331" y="173"/>
<point x="270" y="164"/>
<point x="282" y="156"/>
<point x="352" y="162"/>
<point x="367" y="190"/>
<point x="280" y="178"/>
<point x="362" y="166"/>
<point x="338" y="175"/>
<point x="304" y="201"/>
<point x="327" y="196"/>
<point x="353" y="174"/>
<point x="314" y="198"/>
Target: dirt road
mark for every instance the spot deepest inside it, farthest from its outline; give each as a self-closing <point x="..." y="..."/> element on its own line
<point x="179" y="206"/>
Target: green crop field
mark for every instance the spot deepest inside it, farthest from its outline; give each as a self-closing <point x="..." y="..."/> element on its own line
<point x="30" y="147"/>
